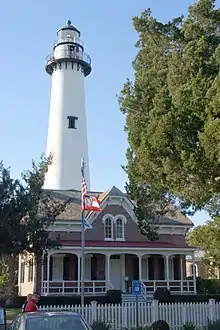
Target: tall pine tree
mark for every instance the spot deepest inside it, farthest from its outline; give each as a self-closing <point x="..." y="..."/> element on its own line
<point x="172" y="111"/>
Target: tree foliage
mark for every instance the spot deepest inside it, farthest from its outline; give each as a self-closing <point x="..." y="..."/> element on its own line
<point x="172" y="110"/>
<point x="26" y="211"/>
<point x="206" y="238"/>
<point x="8" y="274"/>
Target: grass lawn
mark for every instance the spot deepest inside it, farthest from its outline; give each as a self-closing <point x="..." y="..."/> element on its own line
<point x="11" y="314"/>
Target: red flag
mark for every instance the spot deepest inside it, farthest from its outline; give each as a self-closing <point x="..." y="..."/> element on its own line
<point x="91" y="204"/>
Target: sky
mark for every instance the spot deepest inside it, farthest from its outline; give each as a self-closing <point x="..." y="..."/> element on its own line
<point x="28" y="32"/>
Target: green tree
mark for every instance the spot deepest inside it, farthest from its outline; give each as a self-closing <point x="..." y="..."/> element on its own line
<point x="8" y="274"/>
<point x="26" y="211"/>
<point x="172" y="111"/>
<point x="206" y="238"/>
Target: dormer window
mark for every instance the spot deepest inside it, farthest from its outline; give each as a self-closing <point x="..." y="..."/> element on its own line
<point x="114" y="227"/>
<point x="119" y="229"/>
<point x="120" y="221"/>
<point x="108" y="227"/>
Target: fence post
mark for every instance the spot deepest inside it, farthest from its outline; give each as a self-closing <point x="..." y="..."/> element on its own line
<point x="154" y="309"/>
<point x="94" y="310"/>
<point x="211" y="309"/>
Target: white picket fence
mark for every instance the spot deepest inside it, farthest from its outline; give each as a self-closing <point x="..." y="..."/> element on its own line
<point x="124" y="315"/>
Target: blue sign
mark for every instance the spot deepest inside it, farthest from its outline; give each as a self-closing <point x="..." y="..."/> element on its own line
<point x="136" y="288"/>
<point x="2" y="317"/>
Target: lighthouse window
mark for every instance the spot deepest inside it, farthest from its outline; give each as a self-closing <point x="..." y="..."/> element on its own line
<point x="71" y="49"/>
<point x="72" y="121"/>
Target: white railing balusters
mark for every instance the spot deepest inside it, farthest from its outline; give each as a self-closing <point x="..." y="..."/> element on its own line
<point x="74" y="287"/>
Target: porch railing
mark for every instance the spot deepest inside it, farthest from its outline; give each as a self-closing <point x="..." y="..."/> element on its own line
<point x="74" y="287"/>
<point x="144" y="291"/>
<point x="175" y="286"/>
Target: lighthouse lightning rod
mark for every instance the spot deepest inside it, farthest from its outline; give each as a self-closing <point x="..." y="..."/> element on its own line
<point x="82" y="241"/>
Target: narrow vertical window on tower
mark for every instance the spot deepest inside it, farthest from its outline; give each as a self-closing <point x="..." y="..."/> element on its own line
<point x="72" y="122"/>
<point x="71" y="50"/>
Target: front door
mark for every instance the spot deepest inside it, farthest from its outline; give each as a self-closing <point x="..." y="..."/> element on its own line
<point x="115" y="272"/>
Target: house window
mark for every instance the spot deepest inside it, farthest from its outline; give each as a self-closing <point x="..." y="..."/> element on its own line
<point x="22" y="275"/>
<point x="72" y="122"/>
<point x="195" y="270"/>
<point x="108" y="228"/>
<point x="120" y="221"/>
<point x="119" y="229"/>
<point x="30" y="271"/>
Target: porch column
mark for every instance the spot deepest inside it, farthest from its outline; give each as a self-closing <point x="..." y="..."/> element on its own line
<point x="123" y="272"/>
<point x="171" y="268"/>
<point x="140" y="268"/>
<point x="194" y="273"/>
<point x="107" y="271"/>
<point x="167" y="272"/>
<point x="19" y="274"/>
<point x="48" y="272"/>
<point x="145" y="268"/>
<point x="181" y="273"/>
<point x="42" y="274"/>
<point x="78" y="273"/>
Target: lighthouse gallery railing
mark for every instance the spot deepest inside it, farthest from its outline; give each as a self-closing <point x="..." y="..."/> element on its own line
<point x="68" y="54"/>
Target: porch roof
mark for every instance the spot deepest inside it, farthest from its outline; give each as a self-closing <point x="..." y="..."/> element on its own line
<point x="124" y="244"/>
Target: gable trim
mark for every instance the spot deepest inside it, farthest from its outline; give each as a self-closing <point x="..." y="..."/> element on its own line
<point x="115" y="201"/>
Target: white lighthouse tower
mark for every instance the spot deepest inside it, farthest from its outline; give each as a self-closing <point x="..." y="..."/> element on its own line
<point x="67" y="133"/>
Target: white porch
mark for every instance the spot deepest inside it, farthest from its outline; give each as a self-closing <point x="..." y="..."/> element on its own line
<point x="61" y="272"/>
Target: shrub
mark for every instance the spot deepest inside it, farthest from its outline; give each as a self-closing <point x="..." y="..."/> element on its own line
<point x="190" y="298"/>
<point x="113" y="296"/>
<point x="15" y="301"/>
<point x="100" y="325"/>
<point x="208" y="286"/>
<point x="146" y="327"/>
<point x="214" y="325"/>
<point x="160" y="325"/>
<point x="189" y="326"/>
<point x="109" y="298"/>
<point x="162" y="295"/>
<point x="2" y="301"/>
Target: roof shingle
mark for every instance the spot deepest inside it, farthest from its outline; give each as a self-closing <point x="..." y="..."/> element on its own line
<point x="73" y="207"/>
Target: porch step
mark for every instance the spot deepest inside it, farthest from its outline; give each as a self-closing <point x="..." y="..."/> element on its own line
<point x="127" y="297"/>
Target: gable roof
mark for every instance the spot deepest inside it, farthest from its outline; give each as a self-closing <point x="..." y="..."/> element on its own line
<point x="172" y="217"/>
<point x="116" y="192"/>
<point x="73" y="207"/>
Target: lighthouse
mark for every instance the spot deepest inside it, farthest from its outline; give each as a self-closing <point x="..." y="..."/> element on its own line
<point x="68" y="65"/>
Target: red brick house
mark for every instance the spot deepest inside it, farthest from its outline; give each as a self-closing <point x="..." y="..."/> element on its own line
<point x="200" y="269"/>
<point x="115" y="254"/>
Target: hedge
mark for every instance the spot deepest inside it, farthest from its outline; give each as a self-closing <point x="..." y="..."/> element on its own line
<point x="111" y="297"/>
<point x="208" y="286"/>
<point x="190" y="298"/>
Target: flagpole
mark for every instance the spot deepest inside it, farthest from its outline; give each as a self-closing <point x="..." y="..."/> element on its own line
<point x="82" y="246"/>
<point x="83" y="259"/>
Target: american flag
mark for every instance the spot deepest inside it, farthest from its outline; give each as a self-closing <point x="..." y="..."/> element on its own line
<point x="83" y="185"/>
<point x="84" y="192"/>
<point x="89" y="203"/>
